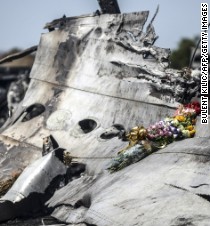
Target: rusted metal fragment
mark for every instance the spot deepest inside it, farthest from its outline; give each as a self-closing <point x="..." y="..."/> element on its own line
<point x="19" y="55"/>
<point x="15" y="155"/>
<point x="5" y="185"/>
<point x="109" y="6"/>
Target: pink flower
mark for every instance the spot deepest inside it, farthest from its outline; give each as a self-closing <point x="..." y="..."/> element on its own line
<point x="161" y="133"/>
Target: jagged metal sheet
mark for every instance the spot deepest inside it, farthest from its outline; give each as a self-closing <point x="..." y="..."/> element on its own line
<point x="36" y="178"/>
<point x="163" y="189"/>
<point x="29" y="192"/>
<point x="103" y="69"/>
<point x="71" y="81"/>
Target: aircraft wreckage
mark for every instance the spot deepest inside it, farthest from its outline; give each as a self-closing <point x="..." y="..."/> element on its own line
<point x="94" y="78"/>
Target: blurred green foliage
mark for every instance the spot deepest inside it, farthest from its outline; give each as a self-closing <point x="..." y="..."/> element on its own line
<point x="181" y="56"/>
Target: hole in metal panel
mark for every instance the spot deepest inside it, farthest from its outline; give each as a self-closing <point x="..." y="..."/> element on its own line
<point x="33" y="111"/>
<point x="87" y="125"/>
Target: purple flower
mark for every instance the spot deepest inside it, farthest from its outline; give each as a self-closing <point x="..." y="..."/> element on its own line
<point x="173" y="129"/>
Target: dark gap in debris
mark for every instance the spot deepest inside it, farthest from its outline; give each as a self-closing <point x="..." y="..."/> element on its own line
<point x="59" y="153"/>
<point x="163" y="59"/>
<point x="119" y="126"/>
<point x="147" y="55"/>
<point x="89" y="224"/>
<point x="87" y="125"/>
<point x="206" y="197"/>
<point x="85" y="201"/>
<point x="33" y="111"/>
<point x="74" y="172"/>
<point x="31" y="206"/>
<point x="106" y="136"/>
<point x="117" y="130"/>
<point x="60" y="205"/>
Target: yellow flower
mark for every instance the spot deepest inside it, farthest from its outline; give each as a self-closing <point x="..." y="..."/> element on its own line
<point x="192" y="133"/>
<point x="190" y="127"/>
<point x="180" y="118"/>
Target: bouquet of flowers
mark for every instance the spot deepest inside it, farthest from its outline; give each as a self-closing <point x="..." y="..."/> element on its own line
<point x="145" y="141"/>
